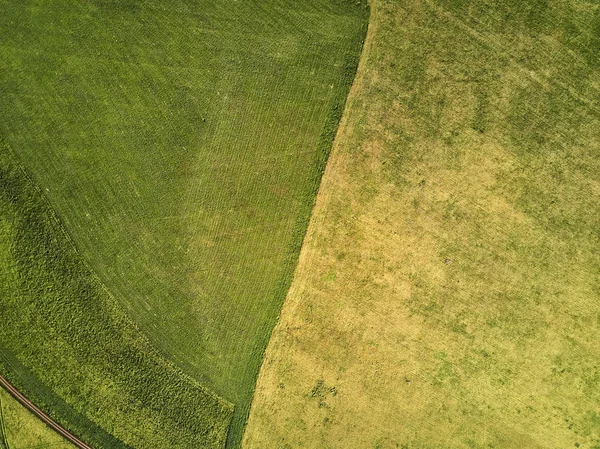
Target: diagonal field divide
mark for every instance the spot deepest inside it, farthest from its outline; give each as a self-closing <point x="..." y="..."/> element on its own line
<point x="40" y="414"/>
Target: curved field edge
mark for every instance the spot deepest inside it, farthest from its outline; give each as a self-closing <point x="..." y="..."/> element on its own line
<point x="71" y="349"/>
<point x="447" y="291"/>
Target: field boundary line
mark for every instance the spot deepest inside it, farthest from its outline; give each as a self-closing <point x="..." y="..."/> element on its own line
<point x="22" y="399"/>
<point x="318" y="199"/>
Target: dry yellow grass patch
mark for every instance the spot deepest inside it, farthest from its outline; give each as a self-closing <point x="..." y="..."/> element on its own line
<point x="447" y="294"/>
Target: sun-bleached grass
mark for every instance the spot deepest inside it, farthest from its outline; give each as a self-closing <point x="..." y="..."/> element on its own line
<point x="447" y="292"/>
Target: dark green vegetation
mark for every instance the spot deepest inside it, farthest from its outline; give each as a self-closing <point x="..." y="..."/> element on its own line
<point x="62" y="332"/>
<point x="452" y="285"/>
<point x="180" y="143"/>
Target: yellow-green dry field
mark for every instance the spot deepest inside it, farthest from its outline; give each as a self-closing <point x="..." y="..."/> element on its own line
<point x="20" y="429"/>
<point x="448" y="290"/>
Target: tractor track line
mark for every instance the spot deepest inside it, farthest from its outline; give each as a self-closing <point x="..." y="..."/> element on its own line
<point x="41" y="414"/>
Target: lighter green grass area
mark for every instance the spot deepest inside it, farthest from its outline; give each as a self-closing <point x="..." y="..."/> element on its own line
<point x="21" y="429"/>
<point x="181" y="144"/>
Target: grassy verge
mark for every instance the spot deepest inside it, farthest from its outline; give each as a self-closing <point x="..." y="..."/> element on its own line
<point x="70" y="348"/>
<point x="3" y="439"/>
<point x="447" y="292"/>
<point x="23" y="430"/>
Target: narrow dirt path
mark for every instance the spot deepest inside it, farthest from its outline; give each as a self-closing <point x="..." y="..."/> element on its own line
<point x="41" y="415"/>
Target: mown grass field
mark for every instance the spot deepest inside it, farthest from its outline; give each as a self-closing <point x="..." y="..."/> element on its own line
<point x="70" y="349"/>
<point x="181" y="145"/>
<point x="20" y="429"/>
<point x="447" y="294"/>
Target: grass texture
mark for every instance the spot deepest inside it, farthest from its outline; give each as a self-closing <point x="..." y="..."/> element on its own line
<point x="181" y="144"/>
<point x="447" y="295"/>
<point x="23" y="430"/>
<point x="65" y="334"/>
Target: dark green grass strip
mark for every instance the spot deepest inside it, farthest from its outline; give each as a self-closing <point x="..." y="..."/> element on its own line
<point x="72" y="351"/>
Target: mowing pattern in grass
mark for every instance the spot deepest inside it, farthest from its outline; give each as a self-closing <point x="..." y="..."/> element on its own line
<point x="62" y="332"/>
<point x="448" y="293"/>
<point x="23" y="430"/>
<point x="181" y="143"/>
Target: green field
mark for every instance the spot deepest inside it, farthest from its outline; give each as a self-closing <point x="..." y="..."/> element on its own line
<point x="73" y="351"/>
<point x="3" y="432"/>
<point x="180" y="145"/>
